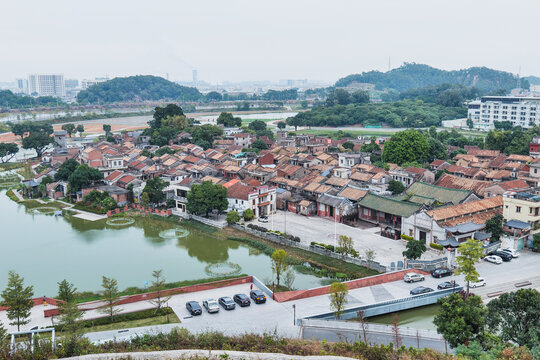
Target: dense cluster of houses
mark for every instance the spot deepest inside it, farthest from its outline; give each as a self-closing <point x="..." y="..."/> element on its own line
<point x="445" y="204"/>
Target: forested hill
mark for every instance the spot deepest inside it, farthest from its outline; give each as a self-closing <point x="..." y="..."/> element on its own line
<point x="411" y="75"/>
<point x="137" y="88"/>
<point x="10" y="100"/>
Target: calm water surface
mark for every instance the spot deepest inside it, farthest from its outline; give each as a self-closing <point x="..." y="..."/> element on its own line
<point x="418" y="318"/>
<point x="46" y="249"/>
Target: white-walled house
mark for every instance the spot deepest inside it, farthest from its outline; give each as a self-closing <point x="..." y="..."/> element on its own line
<point x="260" y="199"/>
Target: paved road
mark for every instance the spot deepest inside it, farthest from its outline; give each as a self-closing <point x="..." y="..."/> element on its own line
<point x="323" y="230"/>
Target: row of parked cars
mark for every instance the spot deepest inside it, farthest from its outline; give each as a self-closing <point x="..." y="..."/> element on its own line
<point x="226" y="302"/>
<point x="500" y="255"/>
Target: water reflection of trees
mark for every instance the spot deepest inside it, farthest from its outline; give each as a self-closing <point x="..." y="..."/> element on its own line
<point x="207" y="248"/>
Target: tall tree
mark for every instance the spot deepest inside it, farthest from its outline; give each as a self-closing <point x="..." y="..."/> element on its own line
<point x="206" y="197"/>
<point x="70" y="317"/>
<point x="406" y="146"/>
<point x="8" y="151"/>
<point x="161" y="113"/>
<point x="66" y="291"/>
<point x="228" y="120"/>
<point x="111" y="295"/>
<point x="154" y="188"/>
<point x="69" y="128"/>
<point x="158" y="286"/>
<point x="279" y="263"/>
<point x="38" y="141"/>
<point x="83" y="176"/>
<point x="107" y="129"/>
<point x="495" y="227"/>
<point x="460" y="319"/>
<point x="515" y="317"/>
<point x="345" y="245"/>
<point x="257" y="125"/>
<point x="66" y="169"/>
<point x="19" y="300"/>
<point x="469" y="253"/>
<point x="281" y="125"/>
<point x="3" y="335"/>
<point x="415" y="249"/>
<point x="338" y="297"/>
<point x="80" y="128"/>
<point x="396" y="187"/>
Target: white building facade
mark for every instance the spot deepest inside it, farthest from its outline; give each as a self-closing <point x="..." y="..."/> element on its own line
<point x="46" y="85"/>
<point x="520" y="111"/>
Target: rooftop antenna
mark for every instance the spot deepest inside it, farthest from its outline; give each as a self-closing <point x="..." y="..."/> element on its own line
<point x="518" y="78"/>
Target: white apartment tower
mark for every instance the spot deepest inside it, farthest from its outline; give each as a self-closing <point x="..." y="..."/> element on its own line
<point x="46" y="85"/>
<point x="520" y="111"/>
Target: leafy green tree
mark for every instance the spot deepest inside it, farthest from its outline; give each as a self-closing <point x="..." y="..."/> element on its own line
<point x="38" y="141"/>
<point x="3" y="335"/>
<point x="170" y="203"/>
<point x="303" y="104"/>
<point x="176" y="122"/>
<point x="232" y="217"/>
<point x="80" y="128"/>
<point x="19" y="300"/>
<point x="257" y="125"/>
<point x="206" y="197"/>
<point x="228" y="120"/>
<point x="69" y="128"/>
<point x="248" y="215"/>
<point x="405" y="146"/>
<point x="345" y="245"/>
<point x="281" y="125"/>
<point x="66" y="169"/>
<point x="415" y="249"/>
<point x="515" y="317"/>
<point x="441" y="173"/>
<point x="154" y="188"/>
<point x="107" y="129"/>
<point x="338" y="298"/>
<point x="360" y="97"/>
<point x="495" y="227"/>
<point x="70" y="317"/>
<point x="338" y="96"/>
<point x="145" y="198"/>
<point x="83" y="176"/>
<point x="348" y="145"/>
<point x="295" y="121"/>
<point x="213" y="96"/>
<point x="259" y="145"/>
<point x="469" y="253"/>
<point x="161" y="113"/>
<point x="396" y="187"/>
<point x="66" y="291"/>
<point x="8" y="151"/>
<point x="111" y="295"/>
<point x="437" y="150"/>
<point x="460" y="319"/>
<point x="279" y="263"/>
<point x="162" y="151"/>
<point x="203" y="135"/>
<point x="470" y="123"/>
<point x="158" y="287"/>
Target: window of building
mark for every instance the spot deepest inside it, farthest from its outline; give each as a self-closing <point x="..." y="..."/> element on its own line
<point x="518" y="209"/>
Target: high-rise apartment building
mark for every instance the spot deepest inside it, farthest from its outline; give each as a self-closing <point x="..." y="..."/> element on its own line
<point x="22" y="86"/>
<point x="520" y="111"/>
<point x="46" y="85"/>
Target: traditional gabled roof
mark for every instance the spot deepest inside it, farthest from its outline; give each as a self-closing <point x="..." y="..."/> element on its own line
<point x="498" y="174"/>
<point x="388" y="205"/>
<point x="456" y="182"/>
<point x="519" y="158"/>
<point x="460" y="210"/>
<point x="513" y="185"/>
<point x="239" y="191"/>
<point x="360" y="176"/>
<point x="114" y="175"/>
<point x="440" y="194"/>
<point x="352" y="193"/>
<point x="336" y="181"/>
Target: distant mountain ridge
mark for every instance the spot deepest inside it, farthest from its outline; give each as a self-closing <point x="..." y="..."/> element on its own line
<point x="137" y="88"/>
<point x="411" y="76"/>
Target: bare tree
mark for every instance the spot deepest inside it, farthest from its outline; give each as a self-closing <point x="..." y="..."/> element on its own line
<point x="363" y="324"/>
<point x="158" y="287"/>
<point x="395" y="332"/>
<point x="370" y="254"/>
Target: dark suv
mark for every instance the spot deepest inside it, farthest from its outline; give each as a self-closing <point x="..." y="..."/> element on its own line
<point x="439" y="273"/>
<point x="505" y="256"/>
<point x="241" y="300"/>
<point x="194" y="308"/>
<point x="421" y="290"/>
<point x="257" y="296"/>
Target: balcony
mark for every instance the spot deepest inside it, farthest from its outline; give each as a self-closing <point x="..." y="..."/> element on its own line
<point x="180" y="198"/>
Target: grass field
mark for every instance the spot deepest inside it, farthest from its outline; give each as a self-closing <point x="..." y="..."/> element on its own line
<point x="156" y="320"/>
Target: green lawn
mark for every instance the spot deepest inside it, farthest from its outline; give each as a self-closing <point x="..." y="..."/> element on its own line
<point x="156" y="320"/>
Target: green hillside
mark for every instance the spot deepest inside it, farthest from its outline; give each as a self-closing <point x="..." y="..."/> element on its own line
<point x="137" y="88"/>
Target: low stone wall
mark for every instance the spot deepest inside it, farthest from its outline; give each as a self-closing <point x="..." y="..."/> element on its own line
<point x="284" y="241"/>
<point x="262" y="286"/>
<point x="428" y="265"/>
<point x="214" y="223"/>
<point x="353" y="284"/>
<point x="138" y="207"/>
<point x="37" y="301"/>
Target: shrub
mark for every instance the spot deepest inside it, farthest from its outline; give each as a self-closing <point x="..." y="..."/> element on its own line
<point x="248" y="215"/>
<point x="406" y="237"/>
<point x="330" y="247"/>
<point x="232" y="217"/>
<point x="436" y="246"/>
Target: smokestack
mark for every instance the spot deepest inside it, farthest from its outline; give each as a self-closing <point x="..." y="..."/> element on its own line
<point x="194" y="73"/>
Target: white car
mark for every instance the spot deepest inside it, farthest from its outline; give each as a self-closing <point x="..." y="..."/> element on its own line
<point x="211" y="305"/>
<point x="263" y="219"/>
<point x="481" y="282"/>
<point x="413" y="277"/>
<point x="493" y="259"/>
<point x="512" y="252"/>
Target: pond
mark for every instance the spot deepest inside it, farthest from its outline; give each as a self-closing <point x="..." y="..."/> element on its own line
<point x="45" y="249"/>
<point x="418" y="318"/>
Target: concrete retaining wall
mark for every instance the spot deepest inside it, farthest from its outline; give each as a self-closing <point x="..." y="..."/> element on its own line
<point x="334" y="330"/>
<point x="261" y="286"/>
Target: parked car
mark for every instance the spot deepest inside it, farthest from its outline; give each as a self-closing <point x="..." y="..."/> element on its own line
<point x="257" y="296"/>
<point x="242" y="300"/>
<point x="413" y="277"/>
<point x="227" y="303"/>
<point x="502" y="254"/>
<point x="439" y="273"/>
<point x="493" y="259"/>
<point x="211" y="305"/>
<point x="512" y="252"/>
<point x="448" y="285"/>
<point x="421" y="290"/>
<point x="481" y="282"/>
<point x="263" y="219"/>
<point x="194" y="308"/>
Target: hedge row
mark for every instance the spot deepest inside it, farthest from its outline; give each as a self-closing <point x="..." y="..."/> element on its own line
<point x="436" y="246"/>
<point x="265" y="230"/>
<point x="406" y="237"/>
<point x="326" y="246"/>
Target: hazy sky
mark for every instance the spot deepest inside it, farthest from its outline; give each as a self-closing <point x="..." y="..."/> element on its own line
<point x="256" y="40"/>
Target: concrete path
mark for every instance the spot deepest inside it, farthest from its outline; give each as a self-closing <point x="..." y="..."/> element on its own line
<point x="18" y="195"/>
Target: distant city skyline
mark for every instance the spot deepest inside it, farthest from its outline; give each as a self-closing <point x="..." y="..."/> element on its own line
<point x="243" y="40"/>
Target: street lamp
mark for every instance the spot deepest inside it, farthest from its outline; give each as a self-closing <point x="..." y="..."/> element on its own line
<point x="294" y="314"/>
